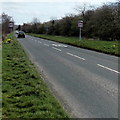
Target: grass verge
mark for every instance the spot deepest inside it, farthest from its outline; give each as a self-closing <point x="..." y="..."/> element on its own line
<point x="24" y="93"/>
<point x="108" y="47"/>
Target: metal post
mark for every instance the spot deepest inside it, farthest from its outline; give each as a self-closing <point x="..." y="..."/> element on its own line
<point x="80" y="34"/>
<point x="80" y="25"/>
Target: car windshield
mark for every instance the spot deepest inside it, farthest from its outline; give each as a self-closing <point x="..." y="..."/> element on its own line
<point x="21" y="32"/>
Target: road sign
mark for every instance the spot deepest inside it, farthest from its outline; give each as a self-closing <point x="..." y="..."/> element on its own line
<point x="80" y="23"/>
<point x="11" y="24"/>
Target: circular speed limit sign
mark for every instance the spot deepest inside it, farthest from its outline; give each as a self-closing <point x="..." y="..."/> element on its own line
<point x="80" y="23"/>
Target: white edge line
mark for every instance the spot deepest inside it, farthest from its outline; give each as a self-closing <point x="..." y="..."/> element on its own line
<point x="108" y="68"/>
<point x="46" y="44"/>
<point x="75" y="56"/>
<point x="56" y="48"/>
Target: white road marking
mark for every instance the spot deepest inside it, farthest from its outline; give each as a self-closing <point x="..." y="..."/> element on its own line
<point x="59" y="45"/>
<point x="108" y="68"/>
<point x="75" y="56"/>
<point x="54" y="45"/>
<point x="56" y="48"/>
<point x="40" y="42"/>
<point x="46" y="44"/>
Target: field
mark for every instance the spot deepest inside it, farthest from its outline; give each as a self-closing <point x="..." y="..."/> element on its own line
<point x="108" y="47"/>
<point x="24" y="93"/>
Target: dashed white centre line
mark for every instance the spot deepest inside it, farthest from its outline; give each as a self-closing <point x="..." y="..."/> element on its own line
<point x="40" y="42"/>
<point x="75" y="56"/>
<point x="108" y="68"/>
<point x="56" y="49"/>
<point x="46" y="44"/>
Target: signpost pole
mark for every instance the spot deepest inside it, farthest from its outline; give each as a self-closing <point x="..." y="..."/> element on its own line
<point x="80" y="25"/>
<point x="80" y="34"/>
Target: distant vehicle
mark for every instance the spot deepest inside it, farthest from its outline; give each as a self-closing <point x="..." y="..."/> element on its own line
<point x="21" y="34"/>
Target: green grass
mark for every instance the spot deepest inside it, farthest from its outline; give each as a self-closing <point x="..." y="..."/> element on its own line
<point x="24" y="93"/>
<point x="109" y="47"/>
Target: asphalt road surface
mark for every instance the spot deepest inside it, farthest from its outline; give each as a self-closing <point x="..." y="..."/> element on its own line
<point x="84" y="81"/>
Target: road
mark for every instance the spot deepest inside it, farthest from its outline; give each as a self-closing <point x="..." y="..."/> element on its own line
<point x="84" y="81"/>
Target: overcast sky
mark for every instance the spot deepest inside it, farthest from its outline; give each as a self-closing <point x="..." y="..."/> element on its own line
<point x="25" y="10"/>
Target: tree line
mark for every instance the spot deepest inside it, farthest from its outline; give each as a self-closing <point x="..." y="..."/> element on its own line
<point x="101" y="23"/>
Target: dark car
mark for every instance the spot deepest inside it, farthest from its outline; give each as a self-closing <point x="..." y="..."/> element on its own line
<point x="21" y="34"/>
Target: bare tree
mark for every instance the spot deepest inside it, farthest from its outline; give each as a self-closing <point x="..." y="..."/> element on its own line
<point x="35" y="21"/>
<point x="81" y="9"/>
<point x="5" y="23"/>
<point x="0" y="24"/>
